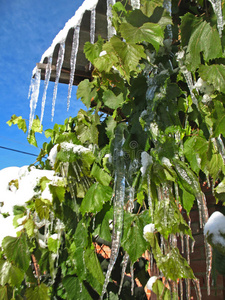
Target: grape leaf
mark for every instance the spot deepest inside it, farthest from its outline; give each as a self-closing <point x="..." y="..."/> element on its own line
<point x="16" y="250"/>
<point x="111" y="100"/>
<point x="75" y="289"/>
<point x="101" y="176"/>
<point x="92" y="51"/>
<point x="204" y="39"/>
<point x="215" y="75"/>
<point x="95" y="197"/>
<point x="39" y="292"/>
<point x="87" y="92"/>
<point x="10" y="274"/>
<point x="148" y="32"/>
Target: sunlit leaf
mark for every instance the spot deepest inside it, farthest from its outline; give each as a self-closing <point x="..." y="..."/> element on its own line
<point x="215" y="75"/>
<point x="10" y="274"/>
<point x="40" y="292"/>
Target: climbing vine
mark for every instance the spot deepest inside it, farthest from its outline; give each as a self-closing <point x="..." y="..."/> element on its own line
<point x="129" y="165"/>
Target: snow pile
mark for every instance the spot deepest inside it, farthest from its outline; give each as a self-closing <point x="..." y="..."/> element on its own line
<point x="150" y="228"/>
<point x="75" y="148"/>
<point x="146" y="160"/>
<point x="214" y="230"/>
<point x="73" y="22"/>
<point x="150" y="282"/>
<point x="17" y="187"/>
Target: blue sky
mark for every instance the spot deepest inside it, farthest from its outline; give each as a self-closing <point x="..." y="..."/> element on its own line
<point x="27" y="28"/>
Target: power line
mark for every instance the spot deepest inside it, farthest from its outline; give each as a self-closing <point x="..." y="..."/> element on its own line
<point x="10" y="149"/>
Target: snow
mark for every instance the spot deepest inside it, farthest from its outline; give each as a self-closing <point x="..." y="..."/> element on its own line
<point x="150" y="282"/>
<point x="75" y="148"/>
<point x="73" y="22"/>
<point x="150" y="228"/>
<point x="17" y="187"/>
<point x="52" y="155"/>
<point x="146" y="160"/>
<point x="215" y="228"/>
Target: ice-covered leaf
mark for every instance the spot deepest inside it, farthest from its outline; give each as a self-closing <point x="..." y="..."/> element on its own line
<point x="102" y="223"/>
<point x="92" y="51"/>
<point x="148" y="32"/>
<point x="86" y="91"/>
<point x="159" y="289"/>
<point x="95" y="197"/>
<point x="219" y="117"/>
<point x="10" y="274"/>
<point x="100" y="175"/>
<point x="205" y="39"/>
<point x="215" y="166"/>
<point x="111" y="100"/>
<point x="133" y="231"/>
<point x="81" y="235"/>
<point x="58" y="192"/>
<point x="75" y="289"/>
<point x="187" y="200"/>
<point x="16" y="250"/>
<point x="40" y="292"/>
<point x="168" y="219"/>
<point x="215" y="75"/>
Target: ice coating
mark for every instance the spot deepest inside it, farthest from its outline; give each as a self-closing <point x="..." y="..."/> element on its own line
<point x="111" y="29"/>
<point x="217" y="7"/>
<point x="135" y="4"/>
<point x="150" y="282"/>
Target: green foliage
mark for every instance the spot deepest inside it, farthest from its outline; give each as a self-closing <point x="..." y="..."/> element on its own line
<point x="172" y="140"/>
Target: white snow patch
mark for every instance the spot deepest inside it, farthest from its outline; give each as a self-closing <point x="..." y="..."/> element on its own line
<point x="52" y="155"/>
<point x="215" y="226"/>
<point x="150" y="282"/>
<point x="26" y="180"/>
<point x="73" y="22"/>
<point x="146" y="160"/>
<point x="75" y="148"/>
<point x="150" y="228"/>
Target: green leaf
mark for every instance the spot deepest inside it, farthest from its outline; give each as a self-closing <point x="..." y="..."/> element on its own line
<point x="4" y="293"/>
<point x="29" y="226"/>
<point x="87" y="92"/>
<point x="75" y="289"/>
<point x="16" y="250"/>
<point x="219" y="119"/>
<point x="111" y="100"/>
<point x="92" y="51"/>
<point x="102" y="221"/>
<point x="100" y="175"/>
<point x="204" y="39"/>
<point x="187" y="200"/>
<point x="215" y="166"/>
<point x="160" y="290"/>
<point x="215" y="75"/>
<point x="53" y="245"/>
<point x="133" y="231"/>
<point x="95" y="197"/>
<point x="191" y="22"/>
<point x="148" y="7"/>
<point x="10" y="274"/>
<point x="58" y="192"/>
<point x="95" y="275"/>
<point x="40" y="292"/>
<point x="21" y="123"/>
<point x="148" y="32"/>
<point x="168" y="219"/>
<point x="42" y="207"/>
<point x="81" y="235"/>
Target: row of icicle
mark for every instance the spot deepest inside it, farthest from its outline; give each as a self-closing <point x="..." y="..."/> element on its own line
<point x="36" y="76"/>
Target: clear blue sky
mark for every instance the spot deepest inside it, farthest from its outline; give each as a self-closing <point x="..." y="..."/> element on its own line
<point x="27" y="28"/>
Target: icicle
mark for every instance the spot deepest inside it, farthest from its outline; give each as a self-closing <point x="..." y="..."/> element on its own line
<point x="111" y="29"/>
<point x="135" y="4"/>
<point x="217" y="7"/>
<point x="188" y="288"/>
<point x="192" y="246"/>
<point x="220" y="147"/>
<point x="182" y="242"/>
<point x="208" y="251"/>
<point x="150" y="203"/>
<point x="73" y="60"/>
<point x="124" y="266"/>
<point x="33" y="95"/>
<point x="181" y="289"/>
<point x="58" y="72"/>
<point x="92" y="29"/>
<point x="47" y="78"/>
<point x="132" y="278"/>
<point x="119" y="188"/>
<point x="190" y="84"/>
<point x="197" y="288"/>
<point x="168" y="6"/>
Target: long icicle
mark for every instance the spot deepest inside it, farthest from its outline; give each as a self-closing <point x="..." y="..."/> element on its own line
<point x="92" y="29"/>
<point x="168" y="6"/>
<point x="73" y="60"/>
<point x="217" y="7"/>
<point x="130" y="207"/>
<point x="33" y="95"/>
<point x="118" y="204"/>
<point x="58" y="72"/>
<point x="111" y="29"/>
<point x="47" y="78"/>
